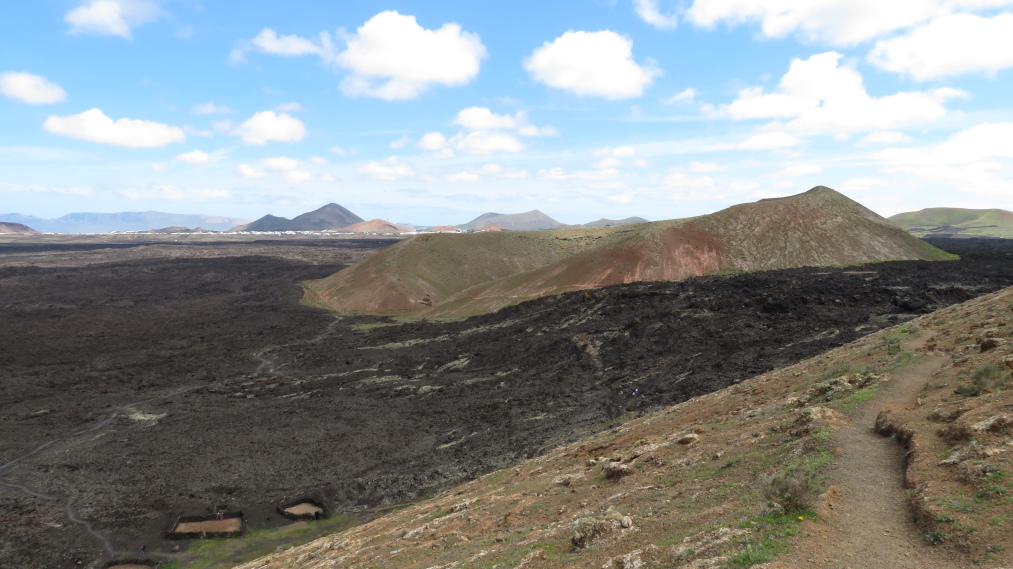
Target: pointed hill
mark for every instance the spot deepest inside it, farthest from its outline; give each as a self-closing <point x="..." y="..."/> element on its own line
<point x="957" y="222"/>
<point x="330" y="216"/>
<point x="267" y="223"/>
<point x="529" y="221"/>
<point x="610" y="222"/>
<point x="10" y="228"/>
<point x="460" y="275"/>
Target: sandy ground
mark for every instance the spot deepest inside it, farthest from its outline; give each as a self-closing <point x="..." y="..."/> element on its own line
<point x="303" y="509"/>
<point x="231" y="524"/>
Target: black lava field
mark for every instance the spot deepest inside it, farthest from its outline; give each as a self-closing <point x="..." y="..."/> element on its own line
<point x="225" y="391"/>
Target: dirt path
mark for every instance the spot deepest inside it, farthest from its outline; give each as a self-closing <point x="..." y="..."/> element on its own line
<point x="869" y="526"/>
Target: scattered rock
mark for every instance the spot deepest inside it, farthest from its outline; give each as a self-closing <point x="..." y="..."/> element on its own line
<point x="688" y="439"/>
<point x="616" y="470"/>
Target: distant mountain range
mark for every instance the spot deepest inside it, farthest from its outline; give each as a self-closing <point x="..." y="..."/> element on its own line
<point x="439" y="274"/>
<point x="330" y="216"/>
<point x="123" y="221"/>
<point x="530" y="221"/>
<point x="957" y="222"/>
<point x="610" y="222"/>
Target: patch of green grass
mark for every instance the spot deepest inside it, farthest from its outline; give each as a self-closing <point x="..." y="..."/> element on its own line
<point x="772" y="529"/>
<point x="848" y="404"/>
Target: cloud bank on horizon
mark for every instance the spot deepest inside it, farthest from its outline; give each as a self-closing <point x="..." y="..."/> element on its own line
<point x="432" y="114"/>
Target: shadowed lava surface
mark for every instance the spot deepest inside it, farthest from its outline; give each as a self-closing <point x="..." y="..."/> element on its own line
<point x="364" y="411"/>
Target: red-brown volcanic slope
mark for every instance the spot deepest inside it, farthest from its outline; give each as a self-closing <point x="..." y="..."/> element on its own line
<point x="461" y="275"/>
<point x="374" y="226"/>
<point x="8" y="228"/>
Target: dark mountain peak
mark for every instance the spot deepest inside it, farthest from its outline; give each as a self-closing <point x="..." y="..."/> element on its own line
<point x="330" y="216"/>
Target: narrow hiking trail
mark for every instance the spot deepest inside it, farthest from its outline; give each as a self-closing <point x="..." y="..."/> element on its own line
<point x="868" y="524"/>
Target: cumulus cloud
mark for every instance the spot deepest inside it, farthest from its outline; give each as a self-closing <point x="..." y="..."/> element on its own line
<point x="886" y="137"/>
<point x="692" y="188"/>
<point x="319" y="160"/>
<point x="951" y="45"/>
<point x="977" y="160"/>
<point x="596" y="64"/>
<point x="467" y="177"/>
<point x="769" y="141"/>
<point x="484" y="132"/>
<point x="341" y="151"/>
<point x="389" y="169"/>
<point x="392" y="57"/>
<point x="818" y="95"/>
<point x="31" y="89"/>
<point x="250" y="172"/>
<point x="210" y="108"/>
<point x="297" y="176"/>
<point x="267" y="125"/>
<point x="111" y="17"/>
<point x="703" y="167"/>
<point x="484" y="143"/>
<point x="159" y="168"/>
<point x="650" y="12"/>
<point x="432" y="141"/>
<point x="481" y="118"/>
<point x="833" y="21"/>
<point x="405" y="140"/>
<point x="196" y="157"/>
<point x="280" y="163"/>
<point x="389" y="57"/>
<point x="94" y="126"/>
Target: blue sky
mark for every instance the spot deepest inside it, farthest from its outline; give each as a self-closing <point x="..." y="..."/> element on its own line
<point x="433" y="113"/>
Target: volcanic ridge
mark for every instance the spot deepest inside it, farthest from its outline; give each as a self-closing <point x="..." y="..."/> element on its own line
<point x="957" y="222"/>
<point x="448" y="275"/>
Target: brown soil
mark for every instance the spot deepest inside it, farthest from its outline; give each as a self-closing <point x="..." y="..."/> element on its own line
<point x="304" y="509"/>
<point x="868" y="520"/>
<point x="209" y="526"/>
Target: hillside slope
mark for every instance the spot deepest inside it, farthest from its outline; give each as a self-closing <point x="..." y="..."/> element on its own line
<point x="10" y="228"/>
<point x="957" y="222"/>
<point x="460" y="275"/>
<point x="758" y="471"/>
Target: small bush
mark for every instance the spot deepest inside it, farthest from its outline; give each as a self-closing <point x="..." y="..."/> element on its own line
<point x="794" y="492"/>
<point x="990" y="377"/>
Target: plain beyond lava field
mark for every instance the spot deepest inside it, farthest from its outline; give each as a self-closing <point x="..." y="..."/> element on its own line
<point x="364" y="411"/>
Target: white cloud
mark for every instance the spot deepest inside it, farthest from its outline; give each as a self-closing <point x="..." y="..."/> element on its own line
<point x="650" y="12"/>
<point x="609" y="162"/>
<point x="684" y="97"/>
<point x="268" y="41"/>
<point x="405" y="140"/>
<point x="742" y="187"/>
<point x="501" y="172"/>
<point x="619" y="151"/>
<point x="319" y="160"/>
<point x="432" y="141"/>
<point x="820" y="96"/>
<point x="483" y="143"/>
<point x="825" y="21"/>
<point x="266" y="125"/>
<point x="195" y="157"/>
<point x="769" y="141"/>
<point x="466" y="177"/>
<point x="38" y="188"/>
<point x="559" y="174"/>
<point x="159" y="168"/>
<point x="704" y="167"/>
<point x="210" y="108"/>
<point x="692" y="188"/>
<point x="388" y="169"/>
<point x="292" y="107"/>
<point x="343" y="152"/>
<point x="94" y="126"/>
<point x="886" y="137"/>
<point x="31" y="89"/>
<point x="532" y="130"/>
<point x="977" y="160"/>
<point x="955" y="44"/>
<point x="799" y="170"/>
<point x="280" y="163"/>
<point x="597" y="64"/>
<point x="328" y="178"/>
<point x="621" y="198"/>
<point x="111" y="17"/>
<point x="862" y="185"/>
<point x="297" y="176"/>
<point x="223" y="126"/>
<point x="392" y="57"/>
<point x="249" y="172"/>
<point x="481" y="118"/>
<point x="175" y="193"/>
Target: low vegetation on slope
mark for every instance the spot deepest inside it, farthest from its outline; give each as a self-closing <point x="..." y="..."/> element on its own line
<point x="461" y="275"/>
<point x="729" y="478"/>
<point x="957" y="222"/>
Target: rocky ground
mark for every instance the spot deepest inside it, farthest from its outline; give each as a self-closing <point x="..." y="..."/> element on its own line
<point x="240" y="397"/>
